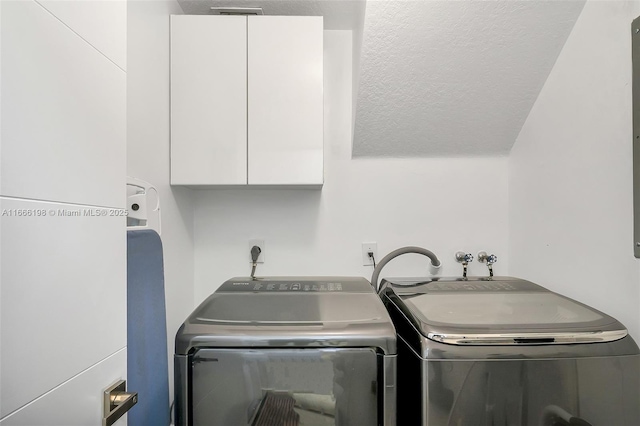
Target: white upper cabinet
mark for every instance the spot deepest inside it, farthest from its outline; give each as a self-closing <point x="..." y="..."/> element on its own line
<point x="246" y="100"/>
<point x="208" y="100"/>
<point x="285" y="100"/>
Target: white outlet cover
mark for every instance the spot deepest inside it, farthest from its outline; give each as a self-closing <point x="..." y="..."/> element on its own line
<point x="259" y="243"/>
<point x="366" y="248"/>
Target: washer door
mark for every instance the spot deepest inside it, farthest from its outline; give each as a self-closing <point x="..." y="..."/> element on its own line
<point x="284" y="386"/>
<point x="517" y="318"/>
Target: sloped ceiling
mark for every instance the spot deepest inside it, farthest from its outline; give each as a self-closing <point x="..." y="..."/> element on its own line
<point x="438" y="77"/>
<point x="454" y="78"/>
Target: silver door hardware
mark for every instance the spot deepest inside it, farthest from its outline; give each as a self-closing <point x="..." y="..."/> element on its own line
<point x="489" y="259"/>
<point x="117" y="402"/>
<point x="464" y="258"/>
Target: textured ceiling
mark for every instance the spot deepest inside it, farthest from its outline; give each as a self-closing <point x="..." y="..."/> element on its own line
<point x="338" y="14"/>
<point x="441" y="78"/>
<point x="438" y="78"/>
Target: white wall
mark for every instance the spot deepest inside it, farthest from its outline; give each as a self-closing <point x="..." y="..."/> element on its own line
<point x="570" y="171"/>
<point x="442" y="204"/>
<point x="148" y="151"/>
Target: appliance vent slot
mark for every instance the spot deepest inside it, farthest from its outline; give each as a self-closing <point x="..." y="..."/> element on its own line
<point x="215" y="10"/>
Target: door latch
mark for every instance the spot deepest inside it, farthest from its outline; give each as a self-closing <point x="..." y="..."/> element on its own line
<point x="117" y="402"/>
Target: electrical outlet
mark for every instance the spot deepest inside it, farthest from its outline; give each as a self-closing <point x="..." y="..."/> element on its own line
<point x="259" y="243"/>
<point x="366" y="248"/>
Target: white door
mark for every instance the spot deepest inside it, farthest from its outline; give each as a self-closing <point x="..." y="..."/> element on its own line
<point x="62" y="183"/>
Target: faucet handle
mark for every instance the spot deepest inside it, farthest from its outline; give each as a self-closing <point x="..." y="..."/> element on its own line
<point x="489" y="259"/>
<point x="462" y="257"/>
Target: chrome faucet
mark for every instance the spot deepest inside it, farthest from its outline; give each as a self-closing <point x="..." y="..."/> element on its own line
<point x="465" y="259"/>
<point x="489" y="259"/>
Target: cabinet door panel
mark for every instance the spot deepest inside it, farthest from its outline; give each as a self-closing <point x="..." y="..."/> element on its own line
<point x="208" y="100"/>
<point x="285" y="100"/>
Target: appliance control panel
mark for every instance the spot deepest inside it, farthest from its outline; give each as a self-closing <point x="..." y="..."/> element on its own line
<point x="467" y="286"/>
<point x="284" y="286"/>
<point x="470" y="286"/>
<point x="271" y="286"/>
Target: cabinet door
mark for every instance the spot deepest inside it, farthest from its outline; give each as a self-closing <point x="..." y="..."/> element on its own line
<point x="285" y="100"/>
<point x="208" y="100"/>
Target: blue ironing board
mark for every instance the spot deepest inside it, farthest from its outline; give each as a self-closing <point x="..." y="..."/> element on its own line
<point x="147" y="366"/>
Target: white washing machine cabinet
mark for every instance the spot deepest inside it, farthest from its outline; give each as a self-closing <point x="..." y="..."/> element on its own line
<point x="504" y="351"/>
<point x="287" y="351"/>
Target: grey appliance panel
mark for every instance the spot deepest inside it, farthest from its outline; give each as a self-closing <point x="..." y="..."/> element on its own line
<point x="601" y="390"/>
<point x="296" y="285"/>
<point x="288" y="308"/>
<point x="547" y="392"/>
<point x="498" y="311"/>
<point x="347" y="313"/>
<point x="277" y="335"/>
<point x="415" y="286"/>
<point x="315" y="386"/>
<point x="510" y="384"/>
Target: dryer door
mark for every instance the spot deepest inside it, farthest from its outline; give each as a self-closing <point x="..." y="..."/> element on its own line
<point x="284" y="386"/>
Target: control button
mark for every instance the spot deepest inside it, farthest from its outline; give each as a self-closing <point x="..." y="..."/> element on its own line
<point x="295" y="286"/>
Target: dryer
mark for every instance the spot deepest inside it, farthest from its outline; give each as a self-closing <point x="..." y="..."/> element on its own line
<point x="502" y="350"/>
<point x="290" y="351"/>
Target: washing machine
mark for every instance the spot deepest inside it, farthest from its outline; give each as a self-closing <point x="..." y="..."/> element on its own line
<point x="287" y="351"/>
<point x="505" y="351"/>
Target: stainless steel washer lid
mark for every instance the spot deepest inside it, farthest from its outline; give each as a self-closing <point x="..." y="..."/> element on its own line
<point x="291" y="312"/>
<point x="502" y="311"/>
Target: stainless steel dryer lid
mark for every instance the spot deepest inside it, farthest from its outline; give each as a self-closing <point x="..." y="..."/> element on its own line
<point x="501" y="311"/>
<point x="290" y="311"/>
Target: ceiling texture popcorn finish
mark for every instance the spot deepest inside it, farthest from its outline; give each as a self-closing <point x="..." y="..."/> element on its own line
<point x="438" y="78"/>
<point x="454" y="78"/>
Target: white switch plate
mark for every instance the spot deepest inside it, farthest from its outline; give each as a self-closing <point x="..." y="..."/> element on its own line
<point x="259" y="243"/>
<point x="366" y="248"/>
